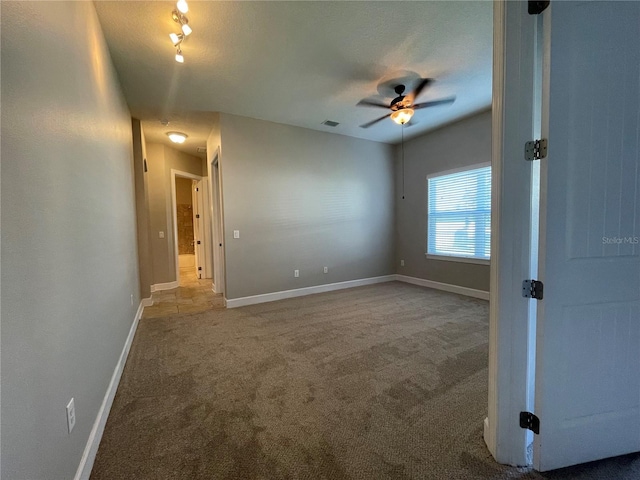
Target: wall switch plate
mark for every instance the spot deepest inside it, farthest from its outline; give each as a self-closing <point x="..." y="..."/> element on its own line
<point x="325" y="269"/>
<point x="296" y="273"/>
<point x="71" y="415"/>
<point x="402" y="263"/>
<point x="236" y="234"/>
<point x="160" y="234"/>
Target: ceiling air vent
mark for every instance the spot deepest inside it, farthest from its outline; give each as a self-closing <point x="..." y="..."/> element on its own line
<point x="201" y="149"/>
<point x="330" y="123"/>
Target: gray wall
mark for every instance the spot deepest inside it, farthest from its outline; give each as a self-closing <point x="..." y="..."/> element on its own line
<point x="145" y="266"/>
<point x="161" y="160"/>
<point x="303" y="199"/>
<point x="464" y="143"/>
<point x="69" y="260"/>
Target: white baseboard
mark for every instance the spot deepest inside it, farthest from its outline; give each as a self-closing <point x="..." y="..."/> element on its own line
<point x="447" y="287"/>
<point x="164" y="286"/>
<point x="299" y="292"/>
<point x="91" y="449"/>
<point x="145" y="302"/>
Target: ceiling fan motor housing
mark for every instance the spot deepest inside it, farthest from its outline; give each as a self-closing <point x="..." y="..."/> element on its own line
<point x="398" y="102"/>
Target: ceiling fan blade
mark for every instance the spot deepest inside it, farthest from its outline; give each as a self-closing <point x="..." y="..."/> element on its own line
<point x="418" y="90"/>
<point x="371" y="103"/>
<point x="434" y="103"/>
<point x="373" y="122"/>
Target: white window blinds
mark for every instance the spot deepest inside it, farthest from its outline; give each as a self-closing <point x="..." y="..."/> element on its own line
<point x="459" y="214"/>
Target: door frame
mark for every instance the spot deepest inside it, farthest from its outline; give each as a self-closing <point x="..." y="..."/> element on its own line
<point x="198" y="192"/>
<point x="216" y="212"/>
<point x="511" y="357"/>
<point x="174" y="212"/>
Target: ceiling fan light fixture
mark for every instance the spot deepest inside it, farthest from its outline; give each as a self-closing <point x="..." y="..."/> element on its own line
<point x="179" y="59"/>
<point x="177" y="137"/>
<point x="402" y="116"/>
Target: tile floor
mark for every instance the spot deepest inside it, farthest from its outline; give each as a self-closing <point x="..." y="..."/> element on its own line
<point x="192" y="296"/>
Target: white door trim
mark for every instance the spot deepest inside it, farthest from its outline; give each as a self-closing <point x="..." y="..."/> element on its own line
<point x="217" y="223"/>
<point x="509" y="382"/>
<point x="174" y="212"/>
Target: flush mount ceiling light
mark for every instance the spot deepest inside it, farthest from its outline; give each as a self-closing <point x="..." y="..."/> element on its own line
<point x="177" y="137"/>
<point x="402" y="116"/>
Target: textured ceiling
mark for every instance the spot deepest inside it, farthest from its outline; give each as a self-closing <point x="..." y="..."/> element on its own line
<point x="299" y="63"/>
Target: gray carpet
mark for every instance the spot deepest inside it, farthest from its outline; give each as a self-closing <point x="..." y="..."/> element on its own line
<point x="381" y="382"/>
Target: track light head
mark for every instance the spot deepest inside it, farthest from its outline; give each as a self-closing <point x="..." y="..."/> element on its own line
<point x="176" y="38"/>
<point x="182" y="6"/>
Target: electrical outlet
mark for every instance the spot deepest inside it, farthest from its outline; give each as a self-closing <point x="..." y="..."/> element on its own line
<point x="132" y="299"/>
<point x="402" y="263"/>
<point x="236" y="234"/>
<point x="160" y="234"/>
<point x="325" y="269"/>
<point x="296" y="273"/>
<point x="71" y="415"/>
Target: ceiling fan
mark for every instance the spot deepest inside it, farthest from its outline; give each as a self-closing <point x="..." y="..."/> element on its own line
<point x="403" y="106"/>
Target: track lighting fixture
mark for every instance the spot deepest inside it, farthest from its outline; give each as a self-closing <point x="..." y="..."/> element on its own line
<point x="178" y="16"/>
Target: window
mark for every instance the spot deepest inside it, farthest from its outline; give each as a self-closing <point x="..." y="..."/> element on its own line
<point x="459" y="214"/>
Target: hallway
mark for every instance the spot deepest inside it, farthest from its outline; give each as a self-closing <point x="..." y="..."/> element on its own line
<point x="192" y="296"/>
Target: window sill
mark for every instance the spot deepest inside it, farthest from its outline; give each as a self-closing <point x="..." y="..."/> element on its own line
<point x="477" y="261"/>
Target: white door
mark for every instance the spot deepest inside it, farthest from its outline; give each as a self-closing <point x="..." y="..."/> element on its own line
<point x="588" y="337"/>
<point x="198" y="229"/>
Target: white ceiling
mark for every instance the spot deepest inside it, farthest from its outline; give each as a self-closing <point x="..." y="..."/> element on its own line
<point x="299" y="63"/>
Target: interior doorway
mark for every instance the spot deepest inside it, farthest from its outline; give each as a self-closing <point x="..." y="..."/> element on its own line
<point x="188" y="193"/>
<point x="185" y="226"/>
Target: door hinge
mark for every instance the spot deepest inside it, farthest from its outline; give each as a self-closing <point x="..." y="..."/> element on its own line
<point x="199" y="268"/>
<point x="198" y="242"/>
<point x="197" y="215"/>
<point x="197" y="189"/>
<point x="536" y="149"/>
<point x="536" y="7"/>
<point x="532" y="289"/>
<point x="529" y="421"/>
